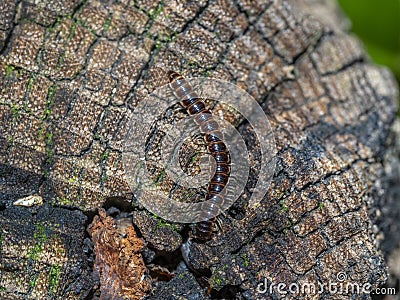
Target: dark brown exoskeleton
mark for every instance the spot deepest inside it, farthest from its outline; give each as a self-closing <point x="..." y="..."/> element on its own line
<point x="216" y="147"/>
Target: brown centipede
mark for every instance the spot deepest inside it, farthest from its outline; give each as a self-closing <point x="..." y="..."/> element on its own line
<point x="214" y="139"/>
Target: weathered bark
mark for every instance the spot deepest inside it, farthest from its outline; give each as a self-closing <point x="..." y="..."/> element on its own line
<point x="72" y="73"/>
<point x="387" y="212"/>
<point x="42" y="254"/>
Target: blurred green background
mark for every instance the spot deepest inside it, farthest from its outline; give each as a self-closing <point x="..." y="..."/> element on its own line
<point x="377" y="24"/>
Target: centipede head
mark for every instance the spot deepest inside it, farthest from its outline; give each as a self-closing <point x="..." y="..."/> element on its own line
<point x="172" y="76"/>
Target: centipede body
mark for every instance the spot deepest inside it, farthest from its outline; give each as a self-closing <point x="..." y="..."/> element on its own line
<point x="214" y="139"/>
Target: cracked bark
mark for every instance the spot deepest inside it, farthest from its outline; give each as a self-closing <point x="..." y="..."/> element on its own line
<point x="73" y="73"/>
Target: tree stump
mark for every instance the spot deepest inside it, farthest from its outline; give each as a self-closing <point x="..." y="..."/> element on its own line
<point x="71" y="76"/>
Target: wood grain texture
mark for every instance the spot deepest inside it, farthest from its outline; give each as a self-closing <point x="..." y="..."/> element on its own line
<point x="71" y="75"/>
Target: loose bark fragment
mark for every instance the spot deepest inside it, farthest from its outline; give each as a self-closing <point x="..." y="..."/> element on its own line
<point x="118" y="263"/>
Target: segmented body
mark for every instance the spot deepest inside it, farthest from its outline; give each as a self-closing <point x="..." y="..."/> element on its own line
<point x="216" y="147"/>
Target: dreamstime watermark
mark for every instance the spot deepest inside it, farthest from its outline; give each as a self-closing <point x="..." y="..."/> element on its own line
<point x="147" y="188"/>
<point x="341" y="286"/>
